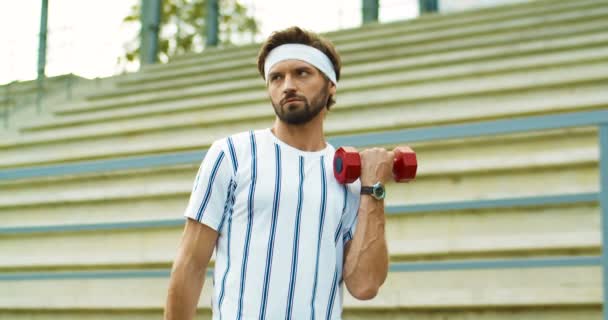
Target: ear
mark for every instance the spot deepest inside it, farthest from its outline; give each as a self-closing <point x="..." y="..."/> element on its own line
<point x="332" y="88"/>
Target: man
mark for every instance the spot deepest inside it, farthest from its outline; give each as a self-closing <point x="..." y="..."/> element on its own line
<point x="286" y="233"/>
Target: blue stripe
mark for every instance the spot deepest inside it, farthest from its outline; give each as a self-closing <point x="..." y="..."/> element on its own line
<point x="339" y="229"/>
<point x="275" y="214"/>
<point x="347" y="237"/>
<point x="321" y="222"/>
<point x="296" y="238"/>
<point x="228" y="206"/>
<point x="249" y="225"/>
<point x="349" y="234"/>
<point x="337" y="234"/>
<point x="334" y="284"/>
<point x="332" y="296"/>
<point x="223" y="285"/>
<point x="198" y="175"/>
<point x="235" y="163"/>
<point x="216" y="166"/>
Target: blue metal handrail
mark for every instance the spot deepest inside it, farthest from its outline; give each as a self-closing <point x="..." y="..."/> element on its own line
<point x="394" y="267"/>
<point x="443" y="132"/>
<point x="394" y="210"/>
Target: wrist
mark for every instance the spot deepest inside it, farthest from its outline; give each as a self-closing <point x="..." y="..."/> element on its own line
<point x="369" y="180"/>
<point x="375" y="190"/>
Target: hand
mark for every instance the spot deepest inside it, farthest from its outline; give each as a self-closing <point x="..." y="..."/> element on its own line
<point x="376" y="166"/>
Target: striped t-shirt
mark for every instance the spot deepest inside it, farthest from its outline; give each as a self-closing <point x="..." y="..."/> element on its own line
<point x="282" y="220"/>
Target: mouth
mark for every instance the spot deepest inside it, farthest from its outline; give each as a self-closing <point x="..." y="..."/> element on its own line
<point x="291" y="100"/>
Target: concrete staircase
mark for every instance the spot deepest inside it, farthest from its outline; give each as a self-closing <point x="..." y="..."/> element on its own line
<point x="97" y="244"/>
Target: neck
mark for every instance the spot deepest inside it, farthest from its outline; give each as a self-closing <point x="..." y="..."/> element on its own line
<point x="306" y="137"/>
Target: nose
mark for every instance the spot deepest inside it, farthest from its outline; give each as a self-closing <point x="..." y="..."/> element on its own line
<point x="288" y="84"/>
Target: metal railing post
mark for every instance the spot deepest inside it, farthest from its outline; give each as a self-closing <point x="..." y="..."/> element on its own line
<point x="370" y="11"/>
<point x="150" y="27"/>
<point x="603" y="140"/>
<point x="213" y="13"/>
<point x="428" y="6"/>
<point x="42" y="54"/>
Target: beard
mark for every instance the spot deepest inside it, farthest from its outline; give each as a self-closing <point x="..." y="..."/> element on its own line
<point x="300" y="111"/>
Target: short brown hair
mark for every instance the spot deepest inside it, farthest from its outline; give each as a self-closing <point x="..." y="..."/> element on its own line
<point x="297" y="35"/>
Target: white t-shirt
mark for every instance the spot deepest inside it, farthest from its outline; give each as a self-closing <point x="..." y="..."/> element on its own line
<point x="282" y="219"/>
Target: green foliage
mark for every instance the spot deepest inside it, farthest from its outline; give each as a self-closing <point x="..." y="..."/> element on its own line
<point x="183" y="27"/>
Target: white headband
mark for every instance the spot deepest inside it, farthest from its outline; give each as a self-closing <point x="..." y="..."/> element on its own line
<point x="301" y="52"/>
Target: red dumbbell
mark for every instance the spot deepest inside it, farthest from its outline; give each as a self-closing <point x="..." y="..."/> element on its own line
<point x="347" y="164"/>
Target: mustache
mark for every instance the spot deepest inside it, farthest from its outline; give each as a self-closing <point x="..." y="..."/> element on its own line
<point x="292" y="96"/>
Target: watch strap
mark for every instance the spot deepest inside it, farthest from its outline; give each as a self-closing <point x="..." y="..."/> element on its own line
<point x="367" y="190"/>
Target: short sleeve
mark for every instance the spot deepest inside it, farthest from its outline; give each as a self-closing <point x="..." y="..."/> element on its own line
<point x="351" y="211"/>
<point x="210" y="190"/>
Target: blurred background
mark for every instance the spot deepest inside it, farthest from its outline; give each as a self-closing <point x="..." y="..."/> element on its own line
<point x="108" y="107"/>
<point x="92" y="38"/>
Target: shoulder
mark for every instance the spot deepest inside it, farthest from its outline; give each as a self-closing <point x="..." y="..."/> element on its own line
<point x="237" y="147"/>
<point x="232" y="143"/>
<point x="239" y="144"/>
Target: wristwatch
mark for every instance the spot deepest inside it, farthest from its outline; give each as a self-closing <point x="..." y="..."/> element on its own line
<point x="377" y="191"/>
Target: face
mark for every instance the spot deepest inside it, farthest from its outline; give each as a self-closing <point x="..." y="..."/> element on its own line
<point x="298" y="91"/>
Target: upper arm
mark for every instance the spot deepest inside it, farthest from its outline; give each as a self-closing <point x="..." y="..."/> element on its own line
<point x="189" y="269"/>
<point x="197" y="245"/>
<point x="212" y="187"/>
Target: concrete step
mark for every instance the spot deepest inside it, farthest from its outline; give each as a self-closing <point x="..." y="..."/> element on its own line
<point x="455" y="19"/>
<point x="471" y="289"/>
<point x="480" y="234"/>
<point x="495" y="233"/>
<point x="458" y="170"/>
<point x="520" y="313"/>
<point x="70" y="212"/>
<point x="417" y="26"/>
<point x="249" y="75"/>
<point x="397" y="71"/>
<point x="405" y="64"/>
<point x="420" y="43"/>
<point x="501" y="92"/>
<point x="370" y="31"/>
<point x="393" y="75"/>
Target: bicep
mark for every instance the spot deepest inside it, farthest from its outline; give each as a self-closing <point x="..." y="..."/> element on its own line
<point x="197" y="245"/>
<point x="188" y="273"/>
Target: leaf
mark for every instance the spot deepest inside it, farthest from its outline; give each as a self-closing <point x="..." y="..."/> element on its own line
<point x="183" y="27"/>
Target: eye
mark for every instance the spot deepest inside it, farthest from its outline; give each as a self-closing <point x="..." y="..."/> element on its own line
<point x="275" y="77"/>
<point x="303" y="73"/>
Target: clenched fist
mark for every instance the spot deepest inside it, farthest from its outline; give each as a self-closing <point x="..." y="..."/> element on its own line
<point x="376" y="166"/>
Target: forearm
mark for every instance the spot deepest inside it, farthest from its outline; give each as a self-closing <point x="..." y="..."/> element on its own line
<point x="184" y="291"/>
<point x="366" y="263"/>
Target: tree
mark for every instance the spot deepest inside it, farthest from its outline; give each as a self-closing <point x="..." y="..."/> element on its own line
<point x="182" y="27"/>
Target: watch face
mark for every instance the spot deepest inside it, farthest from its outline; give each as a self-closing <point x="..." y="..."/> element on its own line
<point x="378" y="191"/>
